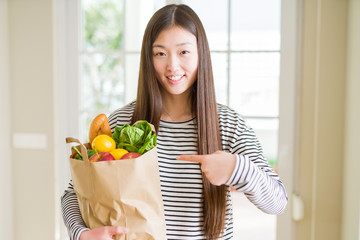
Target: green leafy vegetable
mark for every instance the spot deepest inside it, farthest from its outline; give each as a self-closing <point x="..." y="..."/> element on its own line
<point x="148" y="145"/>
<point x="137" y="138"/>
<point x="79" y="156"/>
<point x="90" y="152"/>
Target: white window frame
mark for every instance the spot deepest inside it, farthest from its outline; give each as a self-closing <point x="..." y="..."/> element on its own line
<point x="66" y="100"/>
<point x="289" y="111"/>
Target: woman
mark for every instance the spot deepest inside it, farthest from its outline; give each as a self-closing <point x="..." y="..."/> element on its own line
<point x="203" y="147"/>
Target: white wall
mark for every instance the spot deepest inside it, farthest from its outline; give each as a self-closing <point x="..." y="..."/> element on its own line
<point x="5" y="160"/>
<point x="319" y="169"/>
<point x="351" y="196"/>
<point x="30" y="25"/>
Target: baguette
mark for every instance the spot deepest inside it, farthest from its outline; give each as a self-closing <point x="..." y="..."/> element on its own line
<point x="100" y="125"/>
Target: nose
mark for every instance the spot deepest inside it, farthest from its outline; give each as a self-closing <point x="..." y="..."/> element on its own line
<point x="173" y="63"/>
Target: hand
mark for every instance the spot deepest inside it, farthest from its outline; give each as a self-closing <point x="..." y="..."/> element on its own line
<point x="103" y="233"/>
<point x="218" y="167"/>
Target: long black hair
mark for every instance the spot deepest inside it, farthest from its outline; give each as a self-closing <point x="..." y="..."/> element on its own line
<point x="149" y="102"/>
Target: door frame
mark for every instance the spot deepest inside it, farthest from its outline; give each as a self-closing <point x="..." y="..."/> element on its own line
<point x="289" y="112"/>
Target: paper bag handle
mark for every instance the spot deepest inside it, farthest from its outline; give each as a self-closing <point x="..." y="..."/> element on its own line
<point x="82" y="148"/>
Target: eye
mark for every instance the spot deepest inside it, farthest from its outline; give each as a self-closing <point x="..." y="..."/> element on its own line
<point x="160" y="54"/>
<point x="184" y="52"/>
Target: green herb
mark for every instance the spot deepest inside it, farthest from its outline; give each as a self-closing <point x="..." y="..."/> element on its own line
<point x="79" y="156"/>
<point x="137" y="138"/>
<point x="90" y="152"/>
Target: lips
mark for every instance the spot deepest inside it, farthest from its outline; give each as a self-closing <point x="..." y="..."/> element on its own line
<point x="175" y="78"/>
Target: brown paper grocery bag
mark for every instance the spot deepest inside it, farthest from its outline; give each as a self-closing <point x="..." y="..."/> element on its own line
<point x="120" y="193"/>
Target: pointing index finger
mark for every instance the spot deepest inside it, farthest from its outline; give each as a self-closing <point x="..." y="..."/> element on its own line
<point x="191" y="158"/>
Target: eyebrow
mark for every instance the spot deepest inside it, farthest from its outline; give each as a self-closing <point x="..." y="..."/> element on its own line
<point x="179" y="44"/>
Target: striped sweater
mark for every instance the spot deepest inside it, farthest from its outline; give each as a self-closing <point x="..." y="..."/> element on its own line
<point x="181" y="182"/>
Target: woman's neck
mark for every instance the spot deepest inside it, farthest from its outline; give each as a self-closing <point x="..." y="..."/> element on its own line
<point x="176" y="109"/>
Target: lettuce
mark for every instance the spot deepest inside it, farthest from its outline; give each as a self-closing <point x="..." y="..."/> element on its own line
<point x="137" y="138"/>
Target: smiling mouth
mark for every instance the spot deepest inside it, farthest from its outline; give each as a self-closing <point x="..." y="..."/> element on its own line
<point x="175" y="78"/>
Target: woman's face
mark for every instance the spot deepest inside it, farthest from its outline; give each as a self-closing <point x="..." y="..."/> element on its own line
<point x="175" y="58"/>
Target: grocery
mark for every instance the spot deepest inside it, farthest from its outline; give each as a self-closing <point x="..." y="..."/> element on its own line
<point x="127" y="142"/>
<point x="103" y="143"/>
<point x="78" y="155"/>
<point x="118" y="153"/>
<point x="101" y="156"/>
<point x="100" y="125"/>
<point x="130" y="155"/>
<point x="137" y="138"/>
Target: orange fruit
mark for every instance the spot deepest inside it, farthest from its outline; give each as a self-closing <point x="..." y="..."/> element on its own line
<point x="103" y="143"/>
<point x="118" y="153"/>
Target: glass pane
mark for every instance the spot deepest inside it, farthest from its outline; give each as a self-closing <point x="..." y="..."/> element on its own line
<point x="85" y="120"/>
<point x="254" y="83"/>
<point x="102" y="86"/>
<point x="103" y="25"/>
<point x="215" y="25"/>
<point x="219" y="63"/>
<point x="132" y="64"/>
<point x="250" y="222"/>
<point x="255" y="25"/>
<point x="138" y="13"/>
<point x="266" y="131"/>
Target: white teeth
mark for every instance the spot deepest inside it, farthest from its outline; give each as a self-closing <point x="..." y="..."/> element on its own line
<point x="175" y="78"/>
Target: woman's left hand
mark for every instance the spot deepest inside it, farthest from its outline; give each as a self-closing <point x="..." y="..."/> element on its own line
<point x="218" y="167"/>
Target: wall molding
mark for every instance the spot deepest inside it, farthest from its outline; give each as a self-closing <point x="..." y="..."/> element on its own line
<point x="6" y="194"/>
<point x="351" y="198"/>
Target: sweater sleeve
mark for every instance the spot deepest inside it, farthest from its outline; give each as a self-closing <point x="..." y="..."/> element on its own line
<point x="71" y="213"/>
<point x="253" y="175"/>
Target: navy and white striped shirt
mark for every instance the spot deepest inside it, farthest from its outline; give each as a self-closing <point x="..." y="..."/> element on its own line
<point x="181" y="182"/>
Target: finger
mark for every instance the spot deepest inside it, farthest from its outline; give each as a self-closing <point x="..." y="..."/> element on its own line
<point x="191" y="158"/>
<point x="117" y="230"/>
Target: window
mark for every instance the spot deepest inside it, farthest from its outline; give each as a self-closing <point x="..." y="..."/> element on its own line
<point x="101" y="59"/>
<point x="245" y="45"/>
<point x="110" y="42"/>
